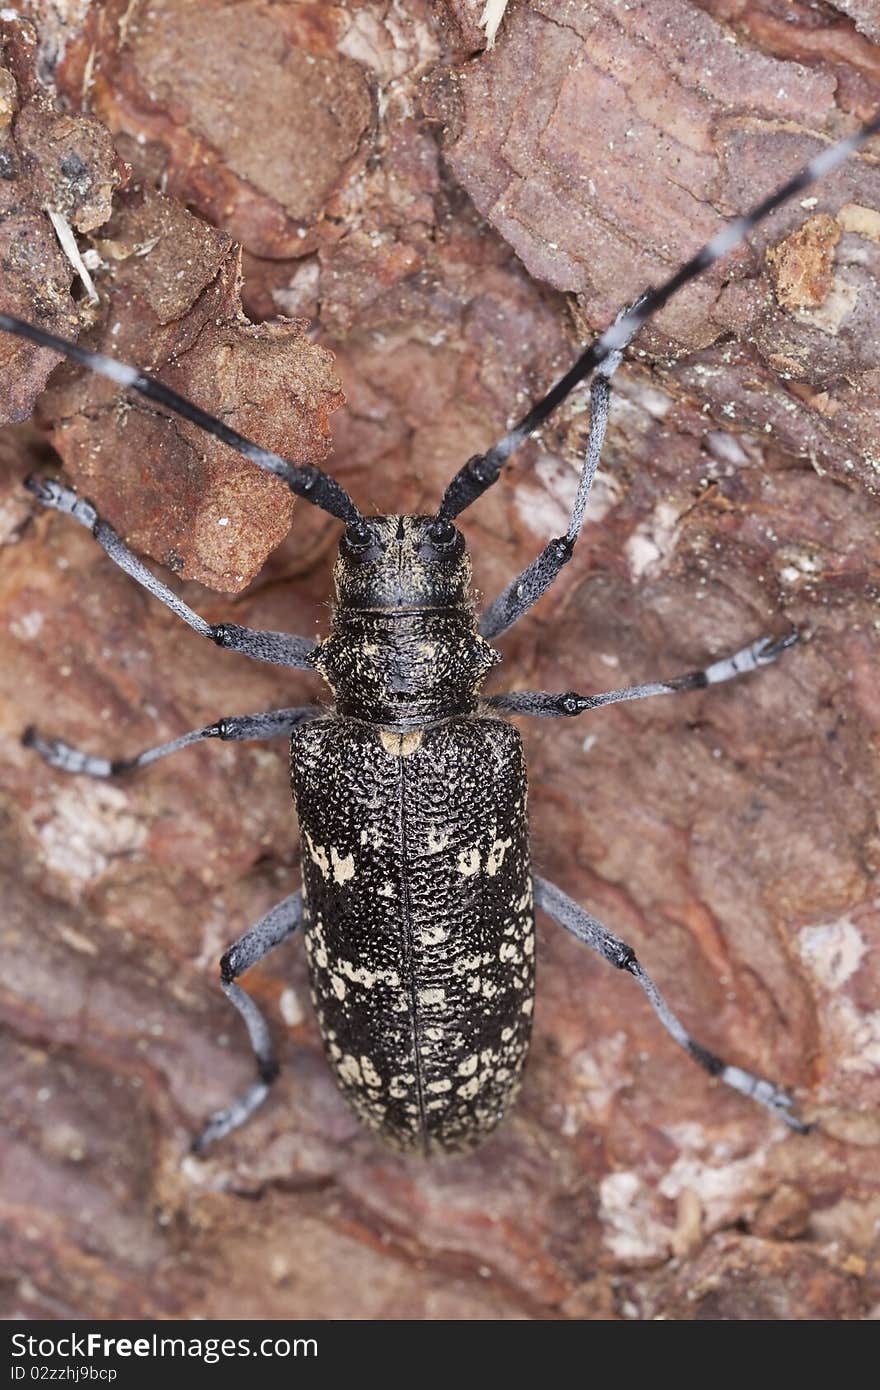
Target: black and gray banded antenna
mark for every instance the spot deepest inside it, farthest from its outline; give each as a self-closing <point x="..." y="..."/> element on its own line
<point x="481" y="471"/>
<point x="303" y="479"/>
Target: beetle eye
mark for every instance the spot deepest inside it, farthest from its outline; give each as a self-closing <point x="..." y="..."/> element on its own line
<point x="358" y="538"/>
<point x="441" y="534"/>
<point x="441" y="543"/>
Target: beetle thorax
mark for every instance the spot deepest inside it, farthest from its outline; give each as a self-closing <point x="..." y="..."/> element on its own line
<point x="403" y="649"/>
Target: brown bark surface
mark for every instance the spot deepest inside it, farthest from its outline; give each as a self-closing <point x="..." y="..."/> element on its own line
<point x="450" y="223"/>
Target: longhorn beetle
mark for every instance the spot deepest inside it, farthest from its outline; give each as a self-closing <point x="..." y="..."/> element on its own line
<point x="417" y="903"/>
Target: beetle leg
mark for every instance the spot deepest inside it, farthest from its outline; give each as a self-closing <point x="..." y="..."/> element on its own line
<point x="236" y="727"/>
<point x="279" y="923"/>
<point x="592" y="933"/>
<point x="278" y="648"/>
<point x="549" y="705"/>
<point x="526" y="588"/>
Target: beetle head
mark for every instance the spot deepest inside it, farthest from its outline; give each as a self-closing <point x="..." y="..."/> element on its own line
<point x="394" y="563"/>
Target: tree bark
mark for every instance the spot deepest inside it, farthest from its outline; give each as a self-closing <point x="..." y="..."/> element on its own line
<point x="452" y="223"/>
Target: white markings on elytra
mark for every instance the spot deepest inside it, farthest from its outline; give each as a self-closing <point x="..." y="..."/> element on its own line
<point x="469" y="862"/>
<point x="370" y="1075"/>
<point x="495" y="857"/>
<point x="360" y="975"/>
<point x="399" y="1086"/>
<point x="343" y="868"/>
<point x="317" y="854"/>
<point x="464" y="1086"/>
<point x="350" y="1070"/>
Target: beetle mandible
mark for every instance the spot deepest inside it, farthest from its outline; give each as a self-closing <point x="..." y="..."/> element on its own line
<point x="417" y="904"/>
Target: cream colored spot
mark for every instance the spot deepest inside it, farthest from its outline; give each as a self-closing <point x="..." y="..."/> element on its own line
<point x="439" y="1086"/>
<point x="468" y="1066"/>
<point x="318" y="855"/>
<point x="371" y="1076"/>
<point x="437" y="840"/>
<point x="469" y="862"/>
<point x="349" y="1070"/>
<point x="432" y="996"/>
<point x="387" y="890"/>
<point x="507" y="951"/>
<point x="360" y="975"/>
<point x="338" y="986"/>
<point x="390" y="741"/>
<point x="401" y="745"/>
<point x="466" y="963"/>
<point x="432" y="936"/>
<point x="506" y="1034"/>
<point x="496" y="856"/>
<point x="489" y="989"/>
<point x="470" y="1088"/>
<point x="527" y="1006"/>
<point x="343" y="869"/>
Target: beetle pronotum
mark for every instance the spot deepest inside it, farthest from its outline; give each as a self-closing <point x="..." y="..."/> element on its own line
<point x="417" y="901"/>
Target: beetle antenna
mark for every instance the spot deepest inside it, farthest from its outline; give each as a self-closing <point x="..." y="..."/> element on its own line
<point x="304" y="479"/>
<point x="480" y="472"/>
